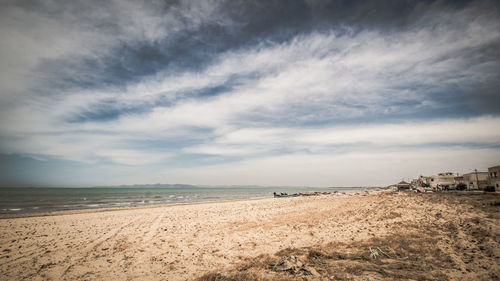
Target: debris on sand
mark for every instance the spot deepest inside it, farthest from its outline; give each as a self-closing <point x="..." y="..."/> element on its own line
<point x="294" y="266"/>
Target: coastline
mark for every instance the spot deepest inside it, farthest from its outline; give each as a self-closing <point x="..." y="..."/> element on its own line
<point x="195" y="241"/>
<point x="17" y="202"/>
<point x="161" y="205"/>
<point x="117" y="209"/>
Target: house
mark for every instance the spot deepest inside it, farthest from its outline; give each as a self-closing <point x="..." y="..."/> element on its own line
<point x="459" y="179"/>
<point x="494" y="176"/>
<point x="476" y="180"/>
<point x="442" y="180"/>
<point x="420" y="181"/>
<point x="402" y="185"/>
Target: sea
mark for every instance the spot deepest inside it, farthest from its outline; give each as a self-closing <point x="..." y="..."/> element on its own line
<point x="22" y="200"/>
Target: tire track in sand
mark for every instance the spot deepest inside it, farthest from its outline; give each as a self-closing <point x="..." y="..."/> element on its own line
<point x="90" y="248"/>
<point x="143" y="258"/>
<point x="153" y="229"/>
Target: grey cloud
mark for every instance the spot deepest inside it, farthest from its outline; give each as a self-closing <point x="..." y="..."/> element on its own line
<point x="123" y="41"/>
<point x="103" y="68"/>
<point x="51" y="37"/>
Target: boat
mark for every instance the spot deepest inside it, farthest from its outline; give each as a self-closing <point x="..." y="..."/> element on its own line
<point x="284" y="194"/>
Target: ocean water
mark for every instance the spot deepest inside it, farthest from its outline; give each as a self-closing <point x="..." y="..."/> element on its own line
<point x="35" y="200"/>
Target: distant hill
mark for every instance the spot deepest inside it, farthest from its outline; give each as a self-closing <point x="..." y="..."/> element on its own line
<point x="158" y="185"/>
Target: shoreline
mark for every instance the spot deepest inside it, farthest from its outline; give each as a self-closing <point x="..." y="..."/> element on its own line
<point x="15" y="202"/>
<point x="116" y="209"/>
<point x="161" y="205"/>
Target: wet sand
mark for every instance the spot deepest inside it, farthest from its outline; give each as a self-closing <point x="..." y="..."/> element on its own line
<point x="186" y="242"/>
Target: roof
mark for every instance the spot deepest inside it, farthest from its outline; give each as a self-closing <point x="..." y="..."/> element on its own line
<point x="473" y="173"/>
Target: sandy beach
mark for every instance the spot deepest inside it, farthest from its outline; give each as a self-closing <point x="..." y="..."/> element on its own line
<point x="376" y="236"/>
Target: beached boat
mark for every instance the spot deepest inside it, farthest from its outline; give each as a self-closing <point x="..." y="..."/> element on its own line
<point x="279" y="195"/>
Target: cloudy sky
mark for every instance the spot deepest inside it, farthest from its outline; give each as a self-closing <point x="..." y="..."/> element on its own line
<point x="311" y="92"/>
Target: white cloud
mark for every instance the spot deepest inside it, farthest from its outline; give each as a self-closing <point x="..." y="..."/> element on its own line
<point x="226" y="150"/>
<point x="132" y="157"/>
<point x="479" y="131"/>
<point x="253" y="142"/>
<point x="375" y="168"/>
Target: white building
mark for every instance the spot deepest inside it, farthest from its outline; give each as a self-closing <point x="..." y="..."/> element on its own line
<point x="442" y="180"/>
<point x="476" y="180"/>
<point x="494" y="174"/>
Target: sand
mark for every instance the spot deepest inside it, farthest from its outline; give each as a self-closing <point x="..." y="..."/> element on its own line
<point x="419" y="236"/>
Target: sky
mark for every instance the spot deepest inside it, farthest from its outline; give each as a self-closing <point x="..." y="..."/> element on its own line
<point x="262" y="92"/>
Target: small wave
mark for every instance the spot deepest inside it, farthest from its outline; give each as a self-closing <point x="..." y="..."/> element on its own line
<point x="212" y="197"/>
<point x="15" y="209"/>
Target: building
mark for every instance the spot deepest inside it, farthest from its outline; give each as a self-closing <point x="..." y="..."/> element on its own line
<point x="402" y="185"/>
<point x="420" y="181"/>
<point x="494" y="176"/>
<point x="442" y="180"/>
<point x="476" y="180"/>
<point x="459" y="180"/>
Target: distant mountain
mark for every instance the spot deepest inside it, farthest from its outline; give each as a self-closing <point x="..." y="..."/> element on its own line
<point x="158" y="185"/>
